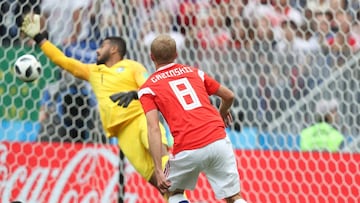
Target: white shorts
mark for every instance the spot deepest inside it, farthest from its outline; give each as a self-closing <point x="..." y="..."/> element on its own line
<point x="216" y="160"/>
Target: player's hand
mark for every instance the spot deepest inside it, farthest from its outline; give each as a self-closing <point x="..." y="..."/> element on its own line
<point x="227" y="118"/>
<point x="31" y="25"/>
<point x="162" y="183"/>
<point x="124" y="98"/>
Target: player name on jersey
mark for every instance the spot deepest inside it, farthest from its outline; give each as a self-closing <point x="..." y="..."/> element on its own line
<point x="171" y="73"/>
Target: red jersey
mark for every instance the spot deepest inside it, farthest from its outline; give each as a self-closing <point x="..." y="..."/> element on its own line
<point x="181" y="94"/>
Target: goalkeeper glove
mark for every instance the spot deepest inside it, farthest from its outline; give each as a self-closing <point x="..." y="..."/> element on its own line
<point x="124" y="98"/>
<point x="31" y="27"/>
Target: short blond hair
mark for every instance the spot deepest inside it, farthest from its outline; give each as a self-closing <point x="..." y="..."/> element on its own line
<point x="163" y="49"/>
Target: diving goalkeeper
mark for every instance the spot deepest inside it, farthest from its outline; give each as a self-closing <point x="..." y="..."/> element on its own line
<point x="111" y="74"/>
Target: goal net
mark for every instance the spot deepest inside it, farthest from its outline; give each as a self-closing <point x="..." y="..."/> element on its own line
<point x="290" y="64"/>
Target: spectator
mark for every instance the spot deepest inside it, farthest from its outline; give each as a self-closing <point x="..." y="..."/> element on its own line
<point x="305" y="40"/>
<point x="71" y="15"/>
<point x="287" y="12"/>
<point x="106" y="15"/>
<point x="211" y="31"/>
<point x="355" y="39"/>
<point x="342" y="43"/>
<point x="161" y="24"/>
<point x="187" y="15"/>
<point x="325" y="5"/>
<point x="323" y="30"/>
<point x="354" y="7"/>
<point x="323" y="135"/>
<point x="276" y="12"/>
<point x="318" y="5"/>
<point x="238" y="33"/>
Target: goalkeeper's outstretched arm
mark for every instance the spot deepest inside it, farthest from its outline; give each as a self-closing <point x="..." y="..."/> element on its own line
<point x="31" y="27"/>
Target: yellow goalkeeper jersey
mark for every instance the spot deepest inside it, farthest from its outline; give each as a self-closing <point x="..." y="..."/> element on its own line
<point x="125" y="75"/>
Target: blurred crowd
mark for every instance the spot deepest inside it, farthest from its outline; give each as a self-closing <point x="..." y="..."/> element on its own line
<point x="271" y="52"/>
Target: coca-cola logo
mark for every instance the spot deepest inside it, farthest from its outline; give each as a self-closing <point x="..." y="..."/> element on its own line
<point x="89" y="174"/>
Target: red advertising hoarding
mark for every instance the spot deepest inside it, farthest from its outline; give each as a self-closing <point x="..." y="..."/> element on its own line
<point x="278" y="176"/>
<point x="79" y="173"/>
<point x="43" y="172"/>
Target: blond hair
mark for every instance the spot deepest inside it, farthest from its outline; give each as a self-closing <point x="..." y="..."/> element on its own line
<point x="163" y="49"/>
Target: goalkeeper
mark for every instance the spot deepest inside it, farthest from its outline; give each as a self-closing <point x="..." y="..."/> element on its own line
<point x="111" y="74"/>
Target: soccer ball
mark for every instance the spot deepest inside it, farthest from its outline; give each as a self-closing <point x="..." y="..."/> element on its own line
<point x="27" y="68"/>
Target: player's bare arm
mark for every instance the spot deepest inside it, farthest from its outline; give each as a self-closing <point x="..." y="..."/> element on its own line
<point x="155" y="147"/>
<point x="227" y="99"/>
